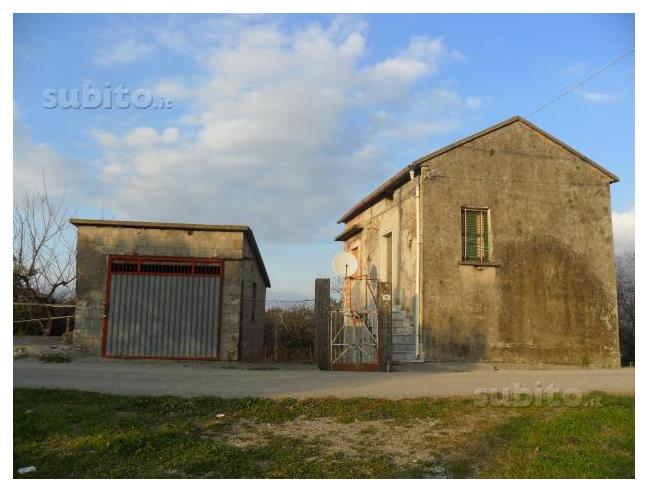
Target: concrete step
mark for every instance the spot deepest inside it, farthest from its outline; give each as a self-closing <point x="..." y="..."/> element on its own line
<point x="407" y="366"/>
<point x="403" y="339"/>
<point x="403" y="330"/>
<point x="401" y="324"/>
<point x="403" y="348"/>
<point x="398" y="315"/>
<point x="404" y="357"/>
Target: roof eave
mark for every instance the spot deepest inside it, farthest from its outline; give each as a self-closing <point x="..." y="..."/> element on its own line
<point x="386" y="188"/>
<point x="349" y="233"/>
<point x="380" y="192"/>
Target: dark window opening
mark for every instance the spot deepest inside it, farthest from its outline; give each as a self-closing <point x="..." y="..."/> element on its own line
<point x="254" y="300"/>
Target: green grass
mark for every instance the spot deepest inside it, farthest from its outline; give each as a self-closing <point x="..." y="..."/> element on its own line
<point x="588" y="443"/>
<point x="69" y="434"/>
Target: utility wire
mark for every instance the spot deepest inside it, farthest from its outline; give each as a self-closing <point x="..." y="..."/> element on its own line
<point x="581" y="83"/>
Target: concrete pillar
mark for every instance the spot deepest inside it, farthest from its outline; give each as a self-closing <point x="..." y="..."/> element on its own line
<point x="384" y="325"/>
<point x="322" y="322"/>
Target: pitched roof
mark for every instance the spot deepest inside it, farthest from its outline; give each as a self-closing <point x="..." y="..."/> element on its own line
<point x="388" y="187"/>
<point x="184" y="227"/>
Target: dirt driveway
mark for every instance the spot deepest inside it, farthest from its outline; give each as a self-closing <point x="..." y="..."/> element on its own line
<point x="209" y="379"/>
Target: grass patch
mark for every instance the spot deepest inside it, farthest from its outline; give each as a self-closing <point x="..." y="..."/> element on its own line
<point x="593" y="442"/>
<point x="70" y="434"/>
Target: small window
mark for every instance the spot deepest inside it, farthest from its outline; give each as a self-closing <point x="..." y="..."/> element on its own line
<point x="254" y="300"/>
<point x="475" y="229"/>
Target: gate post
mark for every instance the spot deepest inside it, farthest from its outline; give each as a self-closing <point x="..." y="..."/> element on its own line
<point x="322" y="323"/>
<point x="384" y="326"/>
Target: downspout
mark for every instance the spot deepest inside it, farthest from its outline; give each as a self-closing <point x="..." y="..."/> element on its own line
<point x="417" y="289"/>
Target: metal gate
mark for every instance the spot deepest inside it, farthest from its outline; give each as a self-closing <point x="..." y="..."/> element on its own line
<point x="161" y="307"/>
<point x="354" y="333"/>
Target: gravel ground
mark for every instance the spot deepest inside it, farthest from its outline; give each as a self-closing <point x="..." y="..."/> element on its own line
<point x="231" y="380"/>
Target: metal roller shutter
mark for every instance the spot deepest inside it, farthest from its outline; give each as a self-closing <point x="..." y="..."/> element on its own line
<point x="162" y="308"/>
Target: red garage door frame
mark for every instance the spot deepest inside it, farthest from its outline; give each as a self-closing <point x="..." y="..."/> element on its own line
<point x="146" y="265"/>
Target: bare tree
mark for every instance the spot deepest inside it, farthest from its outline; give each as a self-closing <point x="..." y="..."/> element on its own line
<point x="289" y="332"/>
<point x="337" y="285"/>
<point x="43" y="251"/>
<point x="626" y="303"/>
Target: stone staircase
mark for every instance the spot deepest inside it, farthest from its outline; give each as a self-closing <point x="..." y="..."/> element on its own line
<point x="403" y="337"/>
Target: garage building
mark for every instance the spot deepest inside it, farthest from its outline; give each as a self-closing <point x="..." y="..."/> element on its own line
<point x="169" y="291"/>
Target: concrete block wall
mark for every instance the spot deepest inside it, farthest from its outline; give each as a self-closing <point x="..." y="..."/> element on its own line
<point x="231" y="311"/>
<point x="252" y="341"/>
<point x="95" y="243"/>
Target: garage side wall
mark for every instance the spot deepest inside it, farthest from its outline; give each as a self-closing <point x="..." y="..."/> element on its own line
<point x="253" y="307"/>
<point x="95" y="243"/>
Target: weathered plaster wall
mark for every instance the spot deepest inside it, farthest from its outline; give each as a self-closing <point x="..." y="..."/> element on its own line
<point x="398" y="216"/>
<point x="94" y="243"/>
<point x="552" y="298"/>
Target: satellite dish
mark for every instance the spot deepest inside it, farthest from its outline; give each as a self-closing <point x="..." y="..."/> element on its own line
<point x="345" y="264"/>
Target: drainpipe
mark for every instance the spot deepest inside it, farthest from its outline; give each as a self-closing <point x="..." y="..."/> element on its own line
<point x="417" y="291"/>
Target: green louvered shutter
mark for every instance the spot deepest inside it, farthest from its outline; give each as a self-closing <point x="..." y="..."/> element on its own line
<point x="484" y="238"/>
<point x="475" y="234"/>
<point x="471" y="235"/>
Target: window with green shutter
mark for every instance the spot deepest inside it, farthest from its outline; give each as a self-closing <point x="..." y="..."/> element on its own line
<point x="475" y="234"/>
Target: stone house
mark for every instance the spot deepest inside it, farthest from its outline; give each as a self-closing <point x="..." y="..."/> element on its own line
<point x="498" y="247"/>
<point x="168" y="290"/>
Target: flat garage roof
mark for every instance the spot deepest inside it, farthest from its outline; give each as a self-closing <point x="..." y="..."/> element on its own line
<point x="184" y="227"/>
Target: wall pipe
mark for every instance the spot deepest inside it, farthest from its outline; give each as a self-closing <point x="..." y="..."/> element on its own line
<point x="417" y="292"/>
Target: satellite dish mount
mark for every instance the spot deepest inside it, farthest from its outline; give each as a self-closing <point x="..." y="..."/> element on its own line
<point x="345" y="264"/>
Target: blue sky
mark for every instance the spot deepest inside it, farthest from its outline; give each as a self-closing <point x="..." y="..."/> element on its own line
<point x="283" y="122"/>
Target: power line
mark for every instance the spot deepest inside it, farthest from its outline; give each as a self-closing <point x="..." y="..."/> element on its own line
<point x="581" y="83"/>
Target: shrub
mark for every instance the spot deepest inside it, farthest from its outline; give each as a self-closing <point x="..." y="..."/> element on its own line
<point x="289" y="334"/>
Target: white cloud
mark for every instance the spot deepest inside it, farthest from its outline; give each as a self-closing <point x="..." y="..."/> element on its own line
<point x="173" y="89"/>
<point x="623" y="225"/>
<point x="393" y="75"/>
<point x="474" y="102"/>
<point x="35" y="161"/>
<point x="123" y="52"/>
<point x="598" y="97"/>
<point x="283" y="128"/>
<point x="430" y="113"/>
